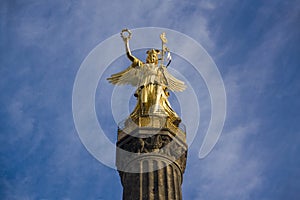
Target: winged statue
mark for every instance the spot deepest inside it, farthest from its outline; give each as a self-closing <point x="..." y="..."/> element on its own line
<point x="151" y="79"/>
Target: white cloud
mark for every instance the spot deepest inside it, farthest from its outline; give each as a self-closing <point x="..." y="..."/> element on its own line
<point x="229" y="172"/>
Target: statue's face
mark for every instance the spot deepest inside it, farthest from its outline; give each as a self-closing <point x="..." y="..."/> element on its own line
<point x="152" y="58"/>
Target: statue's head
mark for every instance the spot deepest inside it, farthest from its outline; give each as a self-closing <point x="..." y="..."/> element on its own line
<point x="152" y="56"/>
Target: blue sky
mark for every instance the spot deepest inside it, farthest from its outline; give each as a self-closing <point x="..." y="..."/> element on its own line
<point x="255" y="45"/>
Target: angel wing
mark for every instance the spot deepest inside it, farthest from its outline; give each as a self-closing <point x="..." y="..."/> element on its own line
<point x="129" y="76"/>
<point x="173" y="83"/>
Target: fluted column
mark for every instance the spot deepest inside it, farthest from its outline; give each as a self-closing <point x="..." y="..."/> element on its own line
<point x="151" y="162"/>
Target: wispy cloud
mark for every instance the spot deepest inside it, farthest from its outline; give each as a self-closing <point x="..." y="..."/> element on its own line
<point x="229" y="172"/>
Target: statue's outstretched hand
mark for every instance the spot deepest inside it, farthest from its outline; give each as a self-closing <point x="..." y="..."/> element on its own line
<point x="126" y="35"/>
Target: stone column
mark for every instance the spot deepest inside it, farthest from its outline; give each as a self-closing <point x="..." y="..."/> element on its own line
<point x="151" y="159"/>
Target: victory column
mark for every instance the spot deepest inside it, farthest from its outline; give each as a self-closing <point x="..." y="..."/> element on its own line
<point x="151" y="146"/>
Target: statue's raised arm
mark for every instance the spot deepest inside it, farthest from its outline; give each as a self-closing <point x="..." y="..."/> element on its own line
<point x="126" y="35"/>
<point x="131" y="75"/>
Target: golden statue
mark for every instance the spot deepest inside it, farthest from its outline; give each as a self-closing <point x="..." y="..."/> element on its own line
<point x="152" y="80"/>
